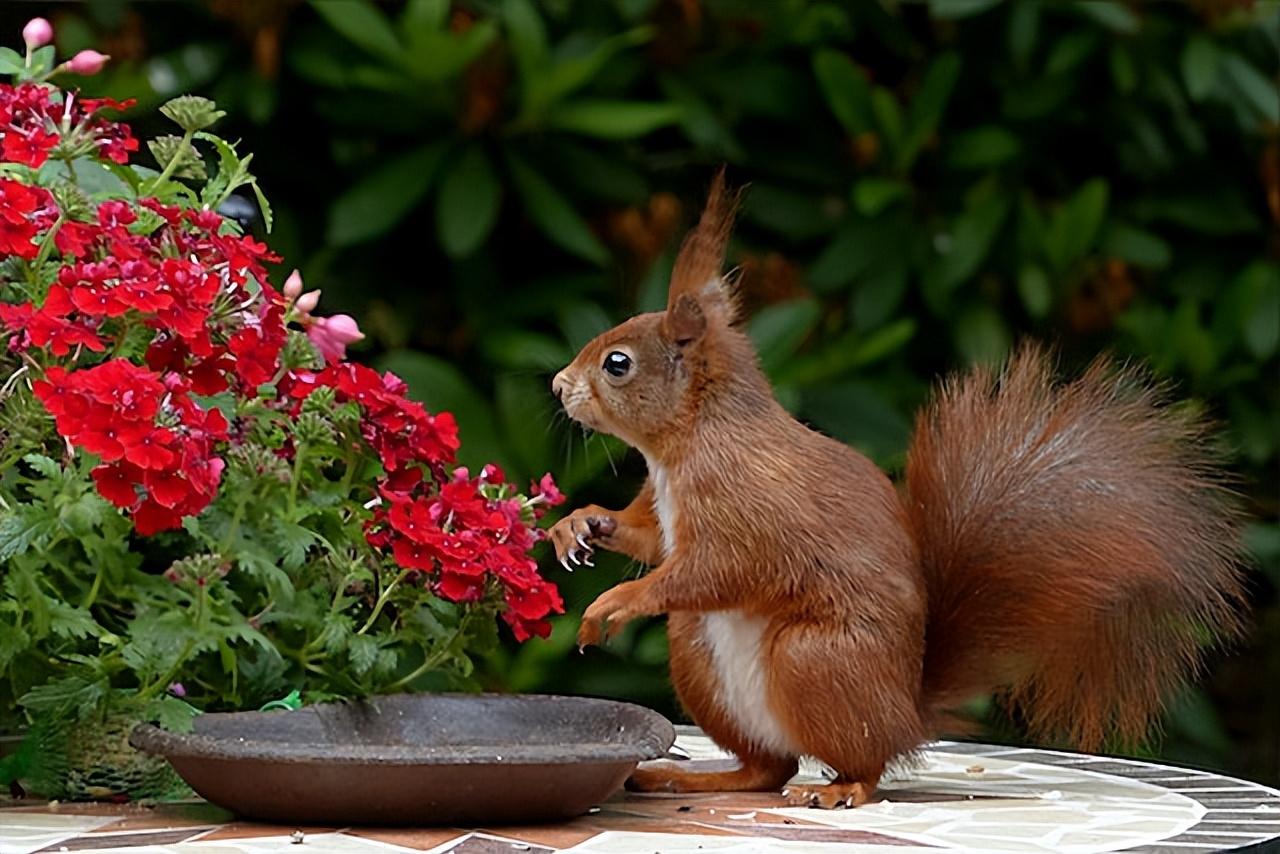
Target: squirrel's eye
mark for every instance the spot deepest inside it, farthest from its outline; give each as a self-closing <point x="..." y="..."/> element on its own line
<point x="617" y="364"/>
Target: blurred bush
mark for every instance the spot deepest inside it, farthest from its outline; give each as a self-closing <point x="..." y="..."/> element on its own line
<point x="929" y="182"/>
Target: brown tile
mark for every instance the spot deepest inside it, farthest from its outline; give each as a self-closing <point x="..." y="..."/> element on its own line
<point x="97" y="841"/>
<point x="422" y="839"/>
<point x="251" y="830"/>
<point x="563" y="835"/>
<point x="488" y="845"/>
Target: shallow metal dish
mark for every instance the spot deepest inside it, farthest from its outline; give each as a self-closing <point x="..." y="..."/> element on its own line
<point x="415" y="759"/>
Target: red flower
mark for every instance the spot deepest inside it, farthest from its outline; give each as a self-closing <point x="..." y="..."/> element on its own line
<point x="17" y="203"/>
<point x="118" y="483"/>
<point x="30" y="148"/>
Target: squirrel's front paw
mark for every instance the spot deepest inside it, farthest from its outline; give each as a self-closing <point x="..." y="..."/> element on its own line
<point x="606" y="616"/>
<point x="576" y="535"/>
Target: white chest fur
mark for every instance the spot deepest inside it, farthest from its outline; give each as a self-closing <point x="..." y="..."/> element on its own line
<point x="664" y="507"/>
<point x="733" y="640"/>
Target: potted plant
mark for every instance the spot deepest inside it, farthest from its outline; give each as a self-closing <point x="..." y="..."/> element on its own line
<point x="203" y="504"/>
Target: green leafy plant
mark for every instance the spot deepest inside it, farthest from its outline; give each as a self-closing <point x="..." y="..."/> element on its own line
<point x="203" y="504"/>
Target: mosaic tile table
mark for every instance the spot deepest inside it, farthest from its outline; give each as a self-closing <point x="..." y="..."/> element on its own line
<point x="959" y="797"/>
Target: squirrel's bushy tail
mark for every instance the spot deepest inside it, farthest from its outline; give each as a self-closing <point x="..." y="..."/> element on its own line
<point x="1078" y="544"/>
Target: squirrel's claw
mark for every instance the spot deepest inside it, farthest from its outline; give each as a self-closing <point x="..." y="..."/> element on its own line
<point x="564" y="561"/>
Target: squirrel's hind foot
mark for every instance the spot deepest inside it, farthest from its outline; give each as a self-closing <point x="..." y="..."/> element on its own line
<point x="829" y="796"/>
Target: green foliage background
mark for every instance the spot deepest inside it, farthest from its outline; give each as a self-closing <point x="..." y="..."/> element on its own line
<point x="487" y="184"/>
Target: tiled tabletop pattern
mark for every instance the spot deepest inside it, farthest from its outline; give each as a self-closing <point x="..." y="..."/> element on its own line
<point x="955" y="797"/>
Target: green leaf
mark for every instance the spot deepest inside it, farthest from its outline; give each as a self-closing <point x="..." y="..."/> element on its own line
<point x="971" y="236"/>
<point x="1071" y="51"/>
<point x="888" y="115"/>
<point x="847" y="353"/>
<point x="872" y="195"/>
<point x="1024" y="25"/>
<point x="1114" y="16"/>
<point x="1035" y="291"/>
<point x="553" y="214"/>
<point x="981" y="148"/>
<point x="335" y="632"/>
<point x="362" y="651"/>
<point x="928" y="106"/>
<point x="172" y="714"/>
<point x="438" y="55"/>
<point x="1074" y="227"/>
<point x="566" y="76"/>
<point x="14" y="640"/>
<point x="846" y="90"/>
<point x="1262" y="315"/>
<point x="582" y="321"/>
<point x="1200" y="59"/>
<point x="1254" y="89"/>
<point x="613" y="119"/>
<point x="526" y="34"/>
<point x="779" y="329"/>
<point x="960" y="8"/>
<point x="291" y="541"/>
<point x="362" y="24"/>
<point x="44" y="466"/>
<point x="981" y="335"/>
<point x="1138" y="247"/>
<point x="22" y="526"/>
<point x="384" y="196"/>
<point x="71" y="694"/>
<point x="797" y="215"/>
<point x="68" y="622"/>
<point x="854" y="249"/>
<point x="467" y="207"/>
<point x="11" y="62"/>
<point x="859" y="414"/>
<point x="424" y="15"/>
<point x="268" y="219"/>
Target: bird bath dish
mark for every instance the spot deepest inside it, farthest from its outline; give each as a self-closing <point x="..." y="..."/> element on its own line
<point x="415" y="759"/>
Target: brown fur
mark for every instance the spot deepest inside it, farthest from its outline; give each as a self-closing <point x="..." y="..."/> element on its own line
<point x="1065" y="544"/>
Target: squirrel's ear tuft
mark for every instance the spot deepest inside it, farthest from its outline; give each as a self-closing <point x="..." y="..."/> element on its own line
<point x="685" y="321"/>
<point x="701" y="259"/>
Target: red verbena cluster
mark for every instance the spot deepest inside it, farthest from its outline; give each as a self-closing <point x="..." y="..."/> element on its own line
<point x="33" y="123"/>
<point x="465" y="533"/>
<point x="138" y="311"/>
<point x="155" y="443"/>
<point x="473" y="533"/>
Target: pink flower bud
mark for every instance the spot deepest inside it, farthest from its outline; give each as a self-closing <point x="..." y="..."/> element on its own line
<point x="37" y="33"/>
<point x="177" y="689"/>
<point x="331" y="335"/>
<point x="343" y="327"/>
<point x="293" y="285"/>
<point x="87" y="62"/>
<point x="307" y="302"/>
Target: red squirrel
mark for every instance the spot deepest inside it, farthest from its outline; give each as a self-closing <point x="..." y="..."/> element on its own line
<point x="1066" y="546"/>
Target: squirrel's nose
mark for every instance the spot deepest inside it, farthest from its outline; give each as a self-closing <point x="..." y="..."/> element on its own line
<point x="558" y="384"/>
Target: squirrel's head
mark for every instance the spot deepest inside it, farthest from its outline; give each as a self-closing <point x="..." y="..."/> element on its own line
<point x="647" y="380"/>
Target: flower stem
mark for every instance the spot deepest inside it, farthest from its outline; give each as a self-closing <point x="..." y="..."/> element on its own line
<point x="293" y="481"/>
<point x="172" y="165"/>
<point x="46" y="245"/>
<point x="382" y="600"/>
<point x="434" y="660"/>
